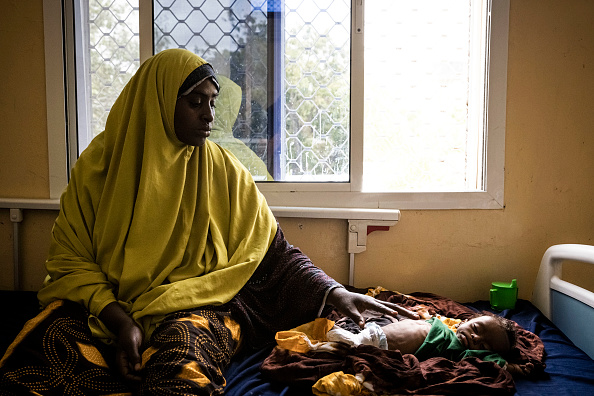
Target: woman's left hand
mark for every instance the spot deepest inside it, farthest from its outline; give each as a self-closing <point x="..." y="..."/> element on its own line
<point x="354" y="304"/>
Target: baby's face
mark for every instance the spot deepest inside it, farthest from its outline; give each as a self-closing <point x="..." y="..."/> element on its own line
<point x="483" y="333"/>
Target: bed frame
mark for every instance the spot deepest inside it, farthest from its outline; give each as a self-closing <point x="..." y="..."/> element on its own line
<point x="569" y="307"/>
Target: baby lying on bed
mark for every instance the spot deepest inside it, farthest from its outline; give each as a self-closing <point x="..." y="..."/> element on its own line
<point x="487" y="337"/>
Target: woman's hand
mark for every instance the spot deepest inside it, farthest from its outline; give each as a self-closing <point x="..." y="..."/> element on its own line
<point x="130" y="340"/>
<point x="354" y="304"/>
<point x="128" y="354"/>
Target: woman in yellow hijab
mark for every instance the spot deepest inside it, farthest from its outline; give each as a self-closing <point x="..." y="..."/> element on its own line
<point x="165" y="249"/>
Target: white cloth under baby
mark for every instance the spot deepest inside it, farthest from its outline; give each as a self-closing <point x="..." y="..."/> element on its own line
<point x="372" y="334"/>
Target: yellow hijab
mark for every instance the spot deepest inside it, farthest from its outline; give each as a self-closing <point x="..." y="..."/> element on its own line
<point x="150" y="222"/>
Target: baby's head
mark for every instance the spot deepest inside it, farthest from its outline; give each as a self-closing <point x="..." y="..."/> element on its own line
<point x="488" y="332"/>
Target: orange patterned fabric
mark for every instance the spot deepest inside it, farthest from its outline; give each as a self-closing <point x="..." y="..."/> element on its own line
<point x="189" y="352"/>
<point x="55" y="354"/>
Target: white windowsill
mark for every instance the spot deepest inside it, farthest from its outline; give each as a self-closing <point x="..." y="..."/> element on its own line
<point x="279" y="211"/>
<point x="336" y="213"/>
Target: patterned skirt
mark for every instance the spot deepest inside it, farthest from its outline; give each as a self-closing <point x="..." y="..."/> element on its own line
<point x="55" y="354"/>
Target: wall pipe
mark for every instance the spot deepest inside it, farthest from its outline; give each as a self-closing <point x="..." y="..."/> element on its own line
<point x="16" y="207"/>
<point x="16" y="216"/>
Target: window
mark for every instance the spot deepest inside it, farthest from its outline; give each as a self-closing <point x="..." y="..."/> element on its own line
<point x="431" y="66"/>
<point x="107" y="53"/>
<point x="427" y="136"/>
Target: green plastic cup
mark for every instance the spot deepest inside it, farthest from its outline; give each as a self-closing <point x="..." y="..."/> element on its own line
<point x="503" y="295"/>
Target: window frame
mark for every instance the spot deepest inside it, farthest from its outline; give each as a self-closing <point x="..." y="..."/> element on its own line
<point x="59" y="51"/>
<point x="53" y="20"/>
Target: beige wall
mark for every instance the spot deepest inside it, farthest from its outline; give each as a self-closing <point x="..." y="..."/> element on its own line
<point x="23" y="137"/>
<point x="23" y="147"/>
<point x="549" y="193"/>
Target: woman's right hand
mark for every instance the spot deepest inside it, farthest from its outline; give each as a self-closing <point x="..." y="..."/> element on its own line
<point x="128" y="354"/>
<point x="130" y="339"/>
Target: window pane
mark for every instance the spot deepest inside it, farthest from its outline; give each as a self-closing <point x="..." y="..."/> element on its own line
<point x="420" y="96"/>
<point x="317" y="90"/>
<point x="107" y="55"/>
<point x="287" y="65"/>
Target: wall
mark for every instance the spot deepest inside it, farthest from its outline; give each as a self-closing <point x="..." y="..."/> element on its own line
<point x="549" y="195"/>
<point x="23" y="137"/>
<point x="23" y="152"/>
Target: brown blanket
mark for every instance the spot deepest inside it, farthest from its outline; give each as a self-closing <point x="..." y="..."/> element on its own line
<point x="391" y="372"/>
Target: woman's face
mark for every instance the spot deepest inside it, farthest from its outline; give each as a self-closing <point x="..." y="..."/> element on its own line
<point x="194" y="114"/>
